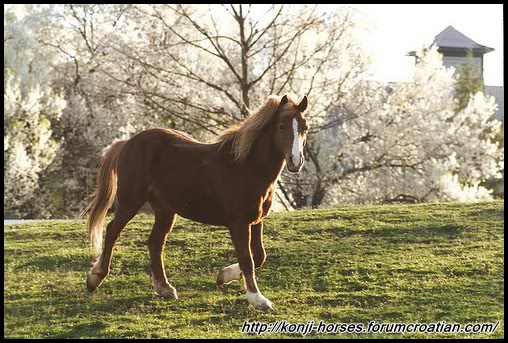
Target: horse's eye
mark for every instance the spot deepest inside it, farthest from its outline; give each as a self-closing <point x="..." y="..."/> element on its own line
<point x="281" y="127"/>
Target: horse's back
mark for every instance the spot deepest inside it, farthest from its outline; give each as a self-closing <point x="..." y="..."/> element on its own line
<point x="180" y="171"/>
<point x="167" y="153"/>
<point x="162" y="135"/>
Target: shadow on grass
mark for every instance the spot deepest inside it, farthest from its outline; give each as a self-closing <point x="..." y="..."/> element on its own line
<point x="76" y="304"/>
<point x="53" y="263"/>
<point x="487" y="213"/>
<point x="426" y="233"/>
<point x="85" y="330"/>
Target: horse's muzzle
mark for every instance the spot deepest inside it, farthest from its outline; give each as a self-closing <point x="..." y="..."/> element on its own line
<point x="291" y="167"/>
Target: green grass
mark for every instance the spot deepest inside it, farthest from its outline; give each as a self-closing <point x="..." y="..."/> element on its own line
<point x="394" y="263"/>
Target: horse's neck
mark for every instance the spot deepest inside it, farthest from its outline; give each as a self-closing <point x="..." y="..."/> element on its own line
<point x="265" y="160"/>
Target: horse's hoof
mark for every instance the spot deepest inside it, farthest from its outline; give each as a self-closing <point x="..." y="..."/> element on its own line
<point x="220" y="280"/>
<point x="227" y="275"/>
<point x="266" y="306"/>
<point x="259" y="301"/>
<point x="92" y="282"/>
<point x="222" y="287"/>
<point x="167" y="292"/>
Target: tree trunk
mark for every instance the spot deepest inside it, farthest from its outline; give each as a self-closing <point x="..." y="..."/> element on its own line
<point x="318" y="195"/>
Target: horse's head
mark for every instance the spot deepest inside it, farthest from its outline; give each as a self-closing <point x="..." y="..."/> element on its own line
<point x="291" y="132"/>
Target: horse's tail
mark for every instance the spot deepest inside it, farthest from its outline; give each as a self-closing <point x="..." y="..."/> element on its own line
<point x="104" y="194"/>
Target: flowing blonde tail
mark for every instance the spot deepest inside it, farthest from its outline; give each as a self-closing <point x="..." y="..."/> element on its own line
<point x="104" y="195"/>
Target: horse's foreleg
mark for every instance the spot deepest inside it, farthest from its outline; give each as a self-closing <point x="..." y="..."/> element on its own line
<point x="256" y="244"/>
<point x="240" y="235"/>
<point x="233" y="272"/>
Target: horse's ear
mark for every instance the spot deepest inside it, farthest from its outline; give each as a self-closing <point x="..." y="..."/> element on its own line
<point x="302" y="106"/>
<point x="283" y="101"/>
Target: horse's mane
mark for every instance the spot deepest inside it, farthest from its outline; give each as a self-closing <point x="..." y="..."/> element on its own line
<point x="243" y="135"/>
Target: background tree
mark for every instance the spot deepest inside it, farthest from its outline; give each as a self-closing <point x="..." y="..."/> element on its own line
<point x="95" y="115"/>
<point x="469" y="82"/>
<point x="412" y="144"/>
<point x="201" y="74"/>
<point x="30" y="104"/>
<point x="78" y="77"/>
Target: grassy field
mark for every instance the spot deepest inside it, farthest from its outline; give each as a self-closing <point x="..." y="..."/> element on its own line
<point x="393" y="263"/>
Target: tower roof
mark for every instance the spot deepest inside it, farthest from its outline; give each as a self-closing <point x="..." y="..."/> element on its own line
<point x="451" y="38"/>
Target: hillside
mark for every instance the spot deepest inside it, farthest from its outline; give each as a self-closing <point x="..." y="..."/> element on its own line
<point x="392" y="263"/>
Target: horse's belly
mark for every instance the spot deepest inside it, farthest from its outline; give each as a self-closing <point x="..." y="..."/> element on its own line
<point x="205" y="218"/>
<point x="201" y="208"/>
<point x="203" y="212"/>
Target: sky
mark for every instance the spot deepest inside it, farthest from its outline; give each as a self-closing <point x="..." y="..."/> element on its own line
<point x="396" y="29"/>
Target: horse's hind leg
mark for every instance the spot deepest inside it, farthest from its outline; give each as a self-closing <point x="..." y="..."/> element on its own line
<point x="232" y="272"/>
<point x="125" y="211"/>
<point x="164" y="220"/>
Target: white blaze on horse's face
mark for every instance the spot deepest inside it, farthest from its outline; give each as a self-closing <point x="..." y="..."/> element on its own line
<point x="297" y="148"/>
<point x="292" y="133"/>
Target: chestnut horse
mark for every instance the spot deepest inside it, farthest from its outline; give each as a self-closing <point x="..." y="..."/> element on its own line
<point x="229" y="183"/>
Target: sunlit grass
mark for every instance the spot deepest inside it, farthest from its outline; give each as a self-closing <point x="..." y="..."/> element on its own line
<point x="396" y="263"/>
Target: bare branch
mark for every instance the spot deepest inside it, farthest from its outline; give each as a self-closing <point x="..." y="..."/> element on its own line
<point x="268" y="27"/>
<point x="76" y="64"/>
<point x="190" y="74"/>
<point x="121" y="13"/>
<point x="82" y="29"/>
<point x="211" y="40"/>
<point x="286" y="195"/>
<point x="308" y="23"/>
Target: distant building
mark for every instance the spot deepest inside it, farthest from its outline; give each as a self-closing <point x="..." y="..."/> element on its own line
<point x="455" y="46"/>
<point x="498" y="93"/>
